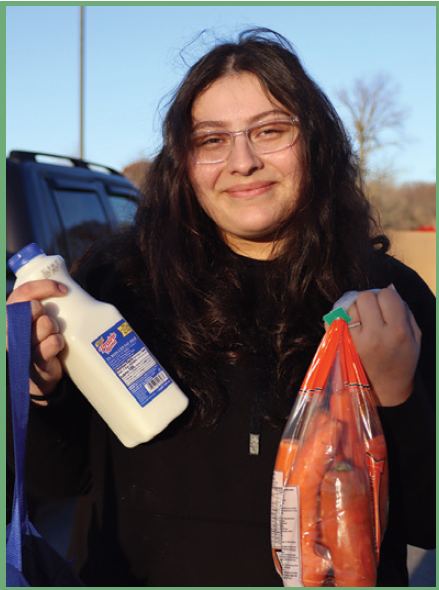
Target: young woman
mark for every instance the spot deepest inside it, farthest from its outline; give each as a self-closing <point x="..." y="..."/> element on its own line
<point x="253" y="224"/>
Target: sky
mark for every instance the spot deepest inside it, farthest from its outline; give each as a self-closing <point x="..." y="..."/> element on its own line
<point x="136" y="55"/>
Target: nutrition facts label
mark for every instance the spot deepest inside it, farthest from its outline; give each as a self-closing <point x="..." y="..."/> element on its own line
<point x="285" y="530"/>
<point x="276" y="510"/>
<point x="290" y="530"/>
<point x="132" y="362"/>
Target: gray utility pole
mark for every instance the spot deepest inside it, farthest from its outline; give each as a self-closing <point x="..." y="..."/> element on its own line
<point x="81" y="89"/>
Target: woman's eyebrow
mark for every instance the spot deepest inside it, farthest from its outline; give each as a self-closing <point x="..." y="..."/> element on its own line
<point x="209" y="125"/>
<point x="214" y="125"/>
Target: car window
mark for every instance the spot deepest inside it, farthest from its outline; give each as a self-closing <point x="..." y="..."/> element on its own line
<point x="124" y="209"/>
<point x="83" y="217"/>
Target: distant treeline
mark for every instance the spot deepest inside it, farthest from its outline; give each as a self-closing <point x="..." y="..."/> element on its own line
<point x="409" y="206"/>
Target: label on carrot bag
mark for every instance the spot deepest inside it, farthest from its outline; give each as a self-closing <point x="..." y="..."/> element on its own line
<point x="131" y="361"/>
<point x="276" y="517"/>
<point x="290" y="535"/>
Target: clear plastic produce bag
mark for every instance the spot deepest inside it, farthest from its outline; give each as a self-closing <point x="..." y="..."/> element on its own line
<point x="330" y="483"/>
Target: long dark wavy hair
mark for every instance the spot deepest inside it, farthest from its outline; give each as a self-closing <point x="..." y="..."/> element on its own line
<point x="330" y="242"/>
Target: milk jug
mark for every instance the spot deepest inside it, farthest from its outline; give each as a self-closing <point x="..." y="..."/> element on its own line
<point x="103" y="356"/>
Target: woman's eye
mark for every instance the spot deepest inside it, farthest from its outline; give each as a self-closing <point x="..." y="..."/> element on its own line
<point x="272" y="132"/>
<point x="269" y="131"/>
<point x="211" y="140"/>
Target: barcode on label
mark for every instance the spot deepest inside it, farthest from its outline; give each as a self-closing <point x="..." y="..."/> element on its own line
<point x="156" y="382"/>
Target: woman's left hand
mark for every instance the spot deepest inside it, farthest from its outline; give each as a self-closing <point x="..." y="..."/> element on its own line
<point x="388" y="342"/>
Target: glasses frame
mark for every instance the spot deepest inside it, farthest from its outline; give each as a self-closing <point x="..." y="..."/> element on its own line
<point x="246" y="132"/>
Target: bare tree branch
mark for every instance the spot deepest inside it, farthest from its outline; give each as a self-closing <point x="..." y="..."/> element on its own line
<point x="373" y="112"/>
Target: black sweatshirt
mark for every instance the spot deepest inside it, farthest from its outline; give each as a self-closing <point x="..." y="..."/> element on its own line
<point x="192" y="507"/>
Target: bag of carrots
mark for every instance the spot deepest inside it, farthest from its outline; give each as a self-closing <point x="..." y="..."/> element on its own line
<point x="330" y="482"/>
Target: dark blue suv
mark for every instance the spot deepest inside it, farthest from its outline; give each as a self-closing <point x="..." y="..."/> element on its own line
<point x="63" y="204"/>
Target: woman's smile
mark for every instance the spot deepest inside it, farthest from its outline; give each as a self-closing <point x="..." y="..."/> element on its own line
<point x="250" y="190"/>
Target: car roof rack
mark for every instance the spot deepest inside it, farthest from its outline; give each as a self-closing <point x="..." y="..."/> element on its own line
<point x="25" y="156"/>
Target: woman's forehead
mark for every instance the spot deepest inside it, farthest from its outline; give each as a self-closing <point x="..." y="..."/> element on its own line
<point x="236" y="98"/>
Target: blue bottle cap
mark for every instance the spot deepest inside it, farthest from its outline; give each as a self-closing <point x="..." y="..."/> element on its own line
<point x="24" y="256"/>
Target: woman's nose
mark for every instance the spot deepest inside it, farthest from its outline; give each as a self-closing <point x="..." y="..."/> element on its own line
<point x="243" y="159"/>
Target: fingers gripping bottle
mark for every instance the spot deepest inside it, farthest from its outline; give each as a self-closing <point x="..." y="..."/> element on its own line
<point x="103" y="356"/>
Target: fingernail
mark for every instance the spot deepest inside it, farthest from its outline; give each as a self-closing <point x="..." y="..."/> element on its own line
<point x="63" y="288"/>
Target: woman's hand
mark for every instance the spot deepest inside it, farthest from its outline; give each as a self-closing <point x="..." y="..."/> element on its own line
<point x="388" y="342"/>
<point x="47" y="342"/>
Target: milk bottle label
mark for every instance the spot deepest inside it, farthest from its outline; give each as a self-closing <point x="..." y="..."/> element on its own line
<point x="130" y="360"/>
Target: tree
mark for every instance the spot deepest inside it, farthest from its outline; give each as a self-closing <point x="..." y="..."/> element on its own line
<point x="373" y="110"/>
<point x="136" y="172"/>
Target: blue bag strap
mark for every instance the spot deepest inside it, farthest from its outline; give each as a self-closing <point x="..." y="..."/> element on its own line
<point x="19" y="344"/>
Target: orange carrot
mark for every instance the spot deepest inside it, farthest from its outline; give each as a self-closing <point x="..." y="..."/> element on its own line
<point x="377" y="466"/>
<point x="369" y="455"/>
<point x="347" y="526"/>
<point x="285" y="456"/>
<point x="284" y="461"/>
<point x="312" y="461"/>
<point x="340" y="409"/>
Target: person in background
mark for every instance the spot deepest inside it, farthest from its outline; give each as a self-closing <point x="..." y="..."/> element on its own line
<point x="254" y="222"/>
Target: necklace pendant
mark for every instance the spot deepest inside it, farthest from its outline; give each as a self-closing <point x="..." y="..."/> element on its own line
<point x="254" y="444"/>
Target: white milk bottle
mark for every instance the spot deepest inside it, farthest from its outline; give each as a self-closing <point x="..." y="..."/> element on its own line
<point x="103" y="355"/>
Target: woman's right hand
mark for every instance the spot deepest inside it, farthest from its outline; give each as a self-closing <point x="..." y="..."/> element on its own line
<point x="47" y="342"/>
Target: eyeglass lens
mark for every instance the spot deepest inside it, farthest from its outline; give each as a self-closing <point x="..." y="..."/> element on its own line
<point x="265" y="138"/>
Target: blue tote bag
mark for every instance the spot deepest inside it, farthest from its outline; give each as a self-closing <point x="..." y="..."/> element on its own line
<point x="30" y="561"/>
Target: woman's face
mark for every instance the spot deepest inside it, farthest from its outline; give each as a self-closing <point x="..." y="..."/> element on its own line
<point x="249" y="195"/>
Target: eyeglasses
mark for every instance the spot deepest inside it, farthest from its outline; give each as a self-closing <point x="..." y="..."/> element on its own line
<point x="213" y="147"/>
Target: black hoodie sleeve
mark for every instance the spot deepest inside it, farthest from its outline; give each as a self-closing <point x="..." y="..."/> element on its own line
<point x="410" y="428"/>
